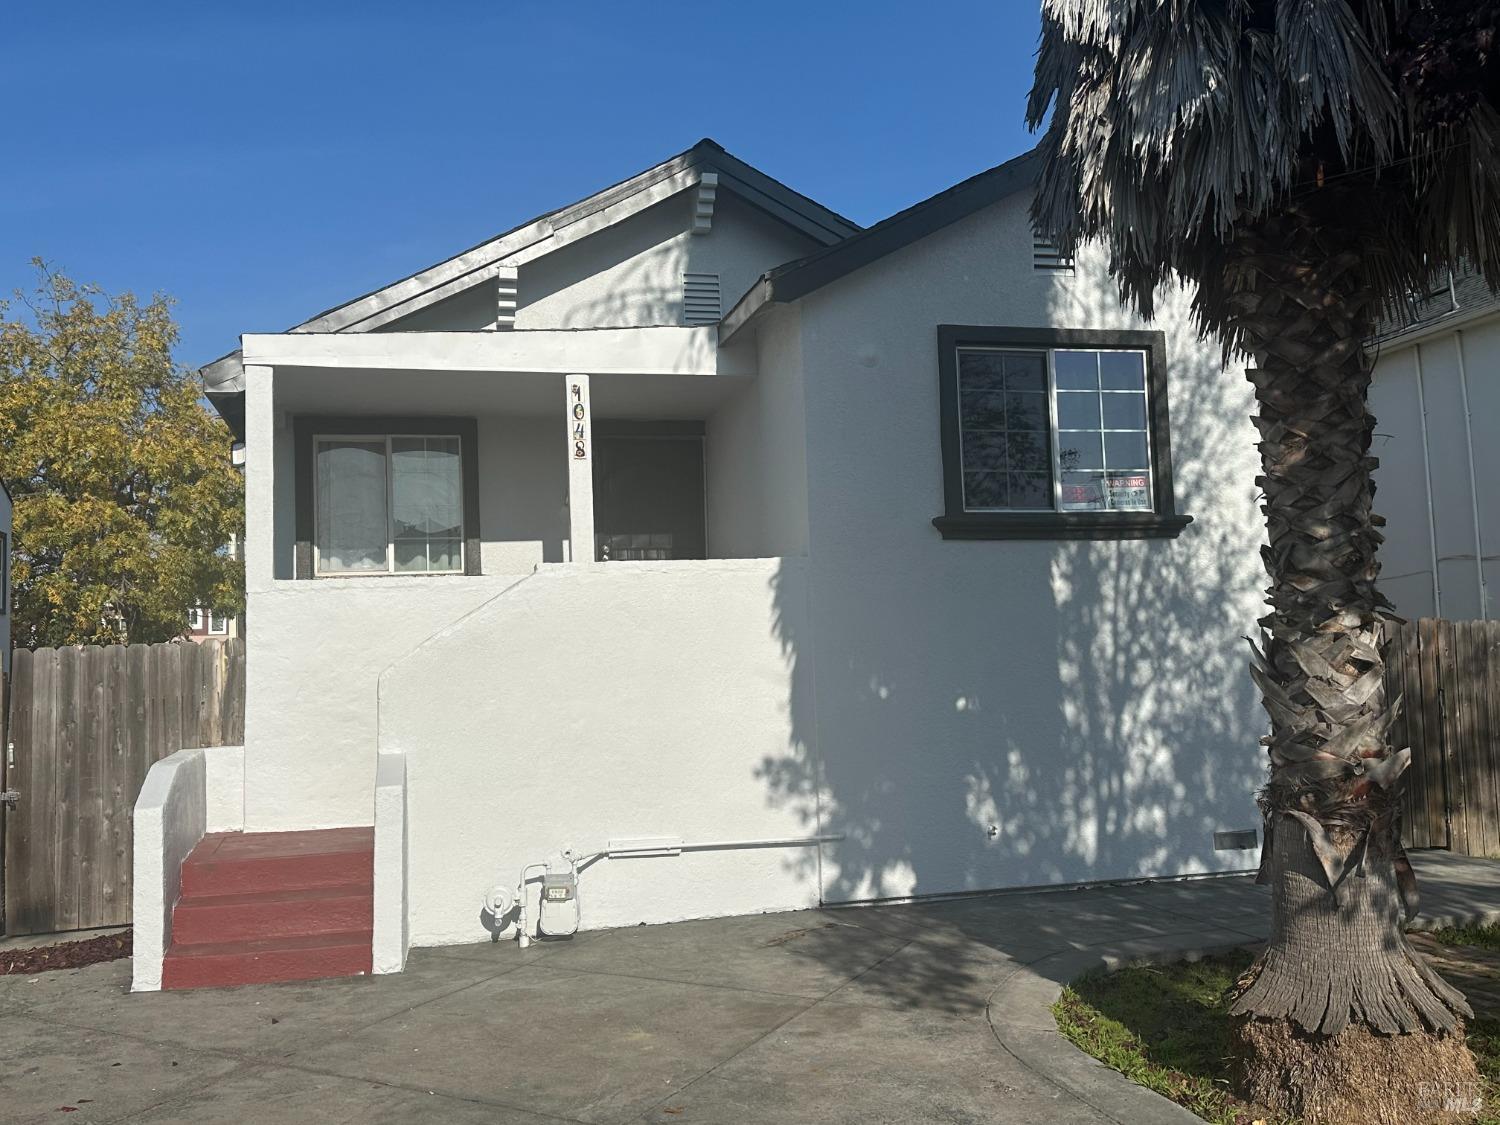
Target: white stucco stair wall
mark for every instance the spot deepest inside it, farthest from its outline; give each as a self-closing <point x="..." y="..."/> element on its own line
<point x="595" y="702"/>
<point x="184" y="796"/>
<point x="310" y="704"/>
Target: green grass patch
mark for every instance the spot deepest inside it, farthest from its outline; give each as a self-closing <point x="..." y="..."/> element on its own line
<point x="1485" y="937"/>
<point x="1166" y="1027"/>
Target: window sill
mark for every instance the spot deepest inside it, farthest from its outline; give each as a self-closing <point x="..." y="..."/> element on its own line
<point x="1061" y="525"/>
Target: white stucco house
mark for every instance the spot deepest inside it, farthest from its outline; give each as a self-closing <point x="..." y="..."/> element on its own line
<point x="757" y="559"/>
<point x="1436" y="399"/>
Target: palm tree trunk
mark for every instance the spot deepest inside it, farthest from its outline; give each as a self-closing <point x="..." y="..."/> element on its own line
<point x="1341" y="1020"/>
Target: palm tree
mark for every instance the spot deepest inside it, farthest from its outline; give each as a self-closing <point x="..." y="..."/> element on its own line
<point x="1304" y="164"/>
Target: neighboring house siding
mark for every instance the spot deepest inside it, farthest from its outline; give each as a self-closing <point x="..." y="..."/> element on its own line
<point x="1086" y="699"/>
<point x="1428" y="496"/>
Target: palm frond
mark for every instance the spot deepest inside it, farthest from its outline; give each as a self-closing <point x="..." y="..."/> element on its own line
<point x="1170" y="122"/>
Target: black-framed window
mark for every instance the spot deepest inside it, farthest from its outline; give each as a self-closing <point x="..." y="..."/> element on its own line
<point x="1052" y="433"/>
<point x="379" y="495"/>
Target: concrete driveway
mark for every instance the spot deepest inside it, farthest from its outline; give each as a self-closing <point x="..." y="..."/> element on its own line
<point x="914" y="1013"/>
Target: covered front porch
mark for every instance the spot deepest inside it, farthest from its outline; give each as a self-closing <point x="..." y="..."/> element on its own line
<point x="377" y="456"/>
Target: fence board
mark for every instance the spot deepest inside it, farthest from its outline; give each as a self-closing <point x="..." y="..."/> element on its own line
<point x="87" y="724"/>
<point x="1486" y="758"/>
<point x="1454" y="735"/>
<point x="1406" y="732"/>
<point x="84" y="832"/>
<point x="1432" y="727"/>
<point x="20" y="825"/>
<point x="117" y="774"/>
<point x="1450" y="674"/>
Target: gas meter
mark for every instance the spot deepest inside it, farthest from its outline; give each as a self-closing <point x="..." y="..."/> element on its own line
<point x="559" y="908"/>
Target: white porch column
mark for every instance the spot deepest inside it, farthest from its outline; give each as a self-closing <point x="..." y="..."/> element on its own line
<point x="580" y="469"/>
<point x="260" y="472"/>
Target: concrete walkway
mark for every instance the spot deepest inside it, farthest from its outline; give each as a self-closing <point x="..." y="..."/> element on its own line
<point x="916" y="1013"/>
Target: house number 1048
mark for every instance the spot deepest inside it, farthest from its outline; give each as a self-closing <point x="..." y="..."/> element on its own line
<point x="580" y="418"/>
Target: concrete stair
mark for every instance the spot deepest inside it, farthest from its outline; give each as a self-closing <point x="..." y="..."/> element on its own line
<point x="273" y="906"/>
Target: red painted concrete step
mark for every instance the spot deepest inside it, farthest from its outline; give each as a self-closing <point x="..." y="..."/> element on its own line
<point x="273" y="906"/>
<point x="244" y="863"/>
<point x="266" y="962"/>
<point x="207" y="919"/>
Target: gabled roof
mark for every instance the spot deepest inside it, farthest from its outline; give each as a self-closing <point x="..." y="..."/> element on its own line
<point x="552" y="230"/>
<point x="799" y="278"/>
<point x="565" y="224"/>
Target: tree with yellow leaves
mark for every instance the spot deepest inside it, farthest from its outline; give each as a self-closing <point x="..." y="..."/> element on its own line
<point x="125" y="498"/>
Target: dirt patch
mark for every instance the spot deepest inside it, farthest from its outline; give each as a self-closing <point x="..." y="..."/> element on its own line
<point x="65" y="955"/>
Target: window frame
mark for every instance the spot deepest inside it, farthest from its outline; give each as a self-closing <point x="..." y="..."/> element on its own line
<point x="223" y="619"/>
<point x="195" y="619"/>
<point x="309" y="429"/>
<point x="957" y="522"/>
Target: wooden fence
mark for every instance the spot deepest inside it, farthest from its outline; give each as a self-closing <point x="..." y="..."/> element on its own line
<point x="1448" y="673"/>
<point x="86" y="724"/>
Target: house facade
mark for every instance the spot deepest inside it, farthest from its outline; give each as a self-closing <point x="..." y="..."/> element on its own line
<point x="1435" y="398"/>
<point x="728" y="557"/>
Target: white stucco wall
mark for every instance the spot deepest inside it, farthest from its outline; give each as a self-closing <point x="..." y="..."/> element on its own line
<point x="1002" y="713"/>
<point x="310" y="704"/>
<point x="1410" y="485"/>
<point x="755" y="451"/>
<point x="319" y="646"/>
<point x="986" y="714"/>
<point x="598" y="702"/>
<point x="631" y="273"/>
<point x="390" y="941"/>
<point x="184" y="796"/>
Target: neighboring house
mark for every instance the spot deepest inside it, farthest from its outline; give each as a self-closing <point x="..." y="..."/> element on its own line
<point x="210" y="624"/>
<point x="902" y="597"/>
<point x="1436" y="400"/>
<point x="204" y="623"/>
<point x="6" y="512"/>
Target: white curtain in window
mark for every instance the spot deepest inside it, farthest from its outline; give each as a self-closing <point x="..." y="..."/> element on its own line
<point x="426" y="503"/>
<point x="352" y="524"/>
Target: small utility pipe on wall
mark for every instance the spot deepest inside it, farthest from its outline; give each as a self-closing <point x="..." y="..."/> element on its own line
<point x="497" y="901"/>
<point x="1463" y="386"/>
<point x="1437" y="586"/>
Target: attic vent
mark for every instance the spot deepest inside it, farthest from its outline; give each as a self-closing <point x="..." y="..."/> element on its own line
<point x="700" y="298"/>
<point x="1045" y="255"/>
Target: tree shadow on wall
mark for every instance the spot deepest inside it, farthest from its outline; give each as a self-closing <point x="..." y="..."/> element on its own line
<point x="1028" y="713"/>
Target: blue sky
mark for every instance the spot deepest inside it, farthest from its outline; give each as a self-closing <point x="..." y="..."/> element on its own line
<point x="262" y="161"/>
